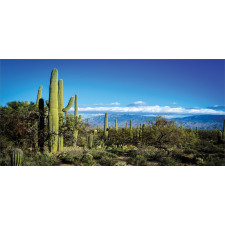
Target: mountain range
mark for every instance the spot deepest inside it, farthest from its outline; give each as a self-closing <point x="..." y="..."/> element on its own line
<point x="206" y="122"/>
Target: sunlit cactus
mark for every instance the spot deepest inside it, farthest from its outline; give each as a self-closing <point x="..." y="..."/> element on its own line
<point x="126" y="126"/>
<point x="76" y="121"/>
<point x="90" y="141"/>
<point x="116" y="125"/>
<point x="53" y="116"/>
<point x="39" y="96"/>
<point x="131" y="130"/>
<point x="106" y="133"/>
<point x="61" y="115"/>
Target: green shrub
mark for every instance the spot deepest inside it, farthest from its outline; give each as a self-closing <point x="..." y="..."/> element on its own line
<point x="40" y="159"/>
<point x="107" y="161"/>
<point x="167" y="162"/>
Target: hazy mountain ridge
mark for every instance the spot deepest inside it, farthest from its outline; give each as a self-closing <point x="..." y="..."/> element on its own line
<point x="207" y="122"/>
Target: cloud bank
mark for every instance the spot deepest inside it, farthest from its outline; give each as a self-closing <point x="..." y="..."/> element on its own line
<point x="153" y="109"/>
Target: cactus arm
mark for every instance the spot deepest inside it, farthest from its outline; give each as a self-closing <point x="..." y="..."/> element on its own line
<point x="70" y="104"/>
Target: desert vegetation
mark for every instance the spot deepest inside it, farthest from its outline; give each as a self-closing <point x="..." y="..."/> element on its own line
<point x="44" y="133"/>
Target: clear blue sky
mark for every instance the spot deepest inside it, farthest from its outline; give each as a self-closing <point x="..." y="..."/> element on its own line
<point x="188" y="83"/>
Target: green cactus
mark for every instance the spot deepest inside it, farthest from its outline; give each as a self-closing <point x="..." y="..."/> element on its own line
<point x="80" y="118"/>
<point x="16" y="157"/>
<point x="39" y="96"/>
<point x="61" y="116"/>
<point x="116" y="125"/>
<point x="106" y="133"/>
<point x="61" y="112"/>
<point x="35" y="145"/>
<point x="196" y="130"/>
<point x="126" y="126"/>
<point x="76" y="121"/>
<point x="223" y="136"/>
<point x="90" y="141"/>
<point x="27" y="103"/>
<point x="131" y="130"/>
<point x="53" y="116"/>
<point x="41" y="125"/>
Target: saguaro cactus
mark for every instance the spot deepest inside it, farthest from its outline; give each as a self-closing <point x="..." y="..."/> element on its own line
<point x="106" y="133"/>
<point x="126" y="126"/>
<point x="39" y="96"/>
<point x="76" y="118"/>
<point x="53" y="117"/>
<point x="27" y="103"/>
<point x="90" y="141"/>
<point x="131" y="131"/>
<point x="223" y="136"/>
<point x="16" y="157"/>
<point x="35" y="144"/>
<point x="116" y="125"/>
<point x="61" y="116"/>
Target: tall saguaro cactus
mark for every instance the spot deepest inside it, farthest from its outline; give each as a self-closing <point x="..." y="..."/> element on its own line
<point x="77" y="119"/>
<point x="116" y="125"/>
<point x="126" y="127"/>
<point x="223" y="137"/>
<point x="106" y="133"/>
<point x="131" y="131"/>
<point x="61" y="116"/>
<point x="53" y="116"/>
<point x="36" y="120"/>
<point x="39" y="96"/>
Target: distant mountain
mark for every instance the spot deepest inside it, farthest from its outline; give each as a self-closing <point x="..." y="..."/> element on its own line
<point x="206" y="122"/>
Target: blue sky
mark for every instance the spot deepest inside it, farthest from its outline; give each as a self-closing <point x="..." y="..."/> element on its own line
<point x="132" y="86"/>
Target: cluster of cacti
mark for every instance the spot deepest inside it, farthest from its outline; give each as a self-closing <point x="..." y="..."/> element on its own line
<point x="106" y="128"/>
<point x="16" y="157"/>
<point x="54" y="112"/>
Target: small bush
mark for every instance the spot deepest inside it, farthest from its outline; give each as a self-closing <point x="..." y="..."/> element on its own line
<point x="167" y="162"/>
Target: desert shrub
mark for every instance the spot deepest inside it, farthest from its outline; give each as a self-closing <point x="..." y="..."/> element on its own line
<point x="121" y="164"/>
<point x="87" y="160"/>
<point x="107" y="161"/>
<point x="39" y="159"/>
<point x="5" y="158"/>
<point x="70" y="157"/>
<point x="167" y="162"/>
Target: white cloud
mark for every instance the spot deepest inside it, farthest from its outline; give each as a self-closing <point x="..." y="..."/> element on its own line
<point x="138" y="103"/>
<point x="174" y="103"/>
<point x="153" y="109"/>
